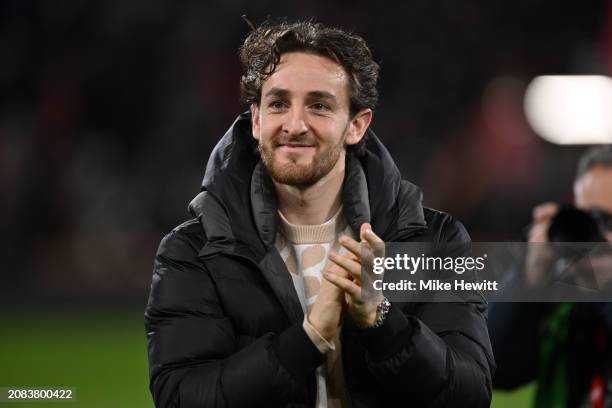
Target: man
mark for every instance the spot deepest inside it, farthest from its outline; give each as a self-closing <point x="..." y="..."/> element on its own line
<point x="257" y="300"/>
<point x="563" y="346"/>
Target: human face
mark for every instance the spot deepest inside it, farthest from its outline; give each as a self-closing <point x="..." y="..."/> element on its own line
<point x="302" y="122"/>
<point x="594" y="191"/>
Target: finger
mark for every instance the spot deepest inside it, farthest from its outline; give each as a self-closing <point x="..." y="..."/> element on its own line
<point x="372" y="244"/>
<point x="338" y="270"/>
<point x="349" y="243"/>
<point x="544" y="212"/>
<point x="539" y="232"/>
<point x="350" y="265"/>
<point x="346" y="285"/>
<point x="370" y="237"/>
<point x="366" y="226"/>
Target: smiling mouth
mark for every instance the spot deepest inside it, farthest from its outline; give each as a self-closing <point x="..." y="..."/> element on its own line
<point x="294" y="147"/>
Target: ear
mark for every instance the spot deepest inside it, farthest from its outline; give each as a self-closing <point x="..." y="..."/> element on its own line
<point x="358" y="126"/>
<point x="255" y="123"/>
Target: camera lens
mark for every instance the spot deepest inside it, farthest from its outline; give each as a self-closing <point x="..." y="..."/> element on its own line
<point x="574" y="225"/>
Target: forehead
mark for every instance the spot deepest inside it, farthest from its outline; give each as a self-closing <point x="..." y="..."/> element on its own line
<point x="301" y="73"/>
<point x="594" y="189"/>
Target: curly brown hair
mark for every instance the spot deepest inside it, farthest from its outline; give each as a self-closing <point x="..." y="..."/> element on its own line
<point x="264" y="46"/>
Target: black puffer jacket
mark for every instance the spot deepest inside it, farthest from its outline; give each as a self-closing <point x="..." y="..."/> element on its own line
<point x="224" y="322"/>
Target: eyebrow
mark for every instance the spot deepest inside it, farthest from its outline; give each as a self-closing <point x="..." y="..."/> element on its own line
<point x="279" y="92"/>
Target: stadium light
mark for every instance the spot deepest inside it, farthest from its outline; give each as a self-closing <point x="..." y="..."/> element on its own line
<point x="570" y="109"/>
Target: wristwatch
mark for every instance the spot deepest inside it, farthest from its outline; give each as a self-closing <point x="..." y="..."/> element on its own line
<point x="381" y="312"/>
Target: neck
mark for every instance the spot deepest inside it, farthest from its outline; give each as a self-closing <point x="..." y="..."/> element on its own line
<point x="315" y="204"/>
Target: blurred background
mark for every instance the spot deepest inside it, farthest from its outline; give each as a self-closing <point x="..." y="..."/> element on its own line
<point x="109" y="110"/>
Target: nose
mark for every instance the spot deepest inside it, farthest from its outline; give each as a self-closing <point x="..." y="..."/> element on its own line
<point x="295" y="123"/>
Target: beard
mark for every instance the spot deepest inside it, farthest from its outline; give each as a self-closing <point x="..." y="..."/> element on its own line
<point x="296" y="174"/>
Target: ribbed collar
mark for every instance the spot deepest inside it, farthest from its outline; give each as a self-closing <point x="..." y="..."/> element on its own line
<point x="313" y="234"/>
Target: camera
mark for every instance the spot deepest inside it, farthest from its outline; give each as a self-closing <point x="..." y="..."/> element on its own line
<point x="574" y="225"/>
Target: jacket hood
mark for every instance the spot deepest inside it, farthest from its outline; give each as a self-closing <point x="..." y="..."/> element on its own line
<point x="236" y="179"/>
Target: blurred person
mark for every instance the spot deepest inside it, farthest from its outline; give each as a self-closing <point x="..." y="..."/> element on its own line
<point x="564" y="346"/>
<point x="257" y="300"/>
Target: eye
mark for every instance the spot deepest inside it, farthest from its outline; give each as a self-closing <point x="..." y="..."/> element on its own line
<point x="320" y="106"/>
<point x="276" y="105"/>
